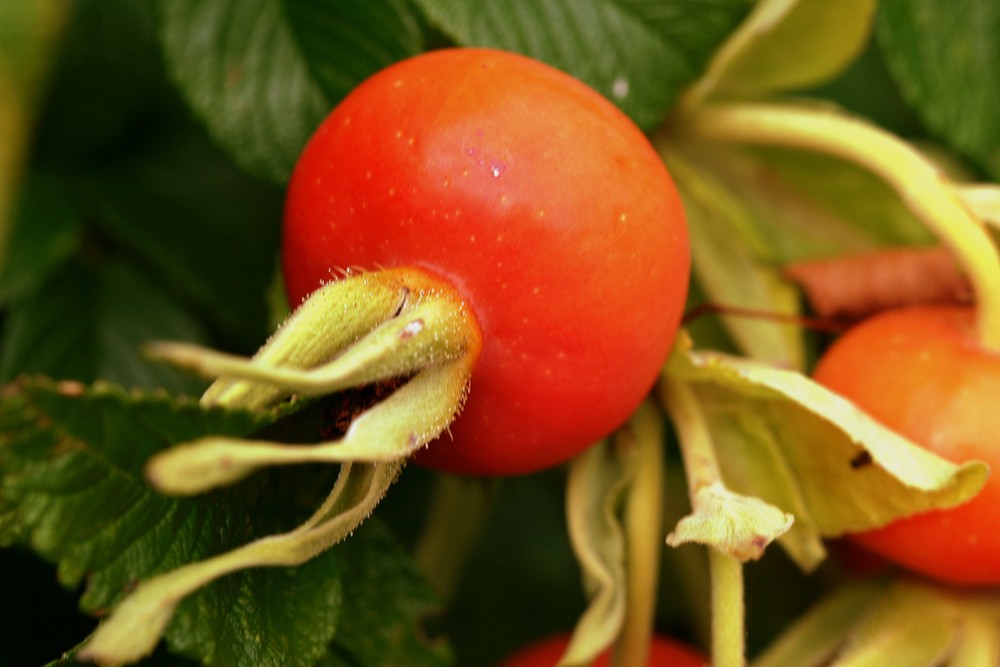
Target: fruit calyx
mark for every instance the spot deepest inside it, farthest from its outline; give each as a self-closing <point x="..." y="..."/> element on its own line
<point x="362" y="329"/>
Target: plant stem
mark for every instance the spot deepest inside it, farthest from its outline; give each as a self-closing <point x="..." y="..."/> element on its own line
<point x="458" y="507"/>
<point x="728" y="622"/>
<point x="920" y="183"/>
<point x="643" y="538"/>
<point x="725" y="571"/>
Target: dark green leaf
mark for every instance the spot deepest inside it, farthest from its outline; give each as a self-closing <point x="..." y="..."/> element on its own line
<point x="30" y="33"/>
<point x="638" y="54"/>
<point x="944" y="54"/>
<point x="238" y="65"/>
<point x="89" y="322"/>
<point x="386" y="633"/>
<point x="345" y="42"/>
<point x="71" y="488"/>
<point x="46" y="231"/>
<point x="108" y="78"/>
<point x="207" y="232"/>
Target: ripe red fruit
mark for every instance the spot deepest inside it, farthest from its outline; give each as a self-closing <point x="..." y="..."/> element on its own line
<point x="541" y="204"/>
<point x="921" y="372"/>
<point x="663" y="652"/>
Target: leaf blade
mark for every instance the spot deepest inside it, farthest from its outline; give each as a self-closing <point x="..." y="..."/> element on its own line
<point x="943" y="55"/>
<point x="641" y="54"/>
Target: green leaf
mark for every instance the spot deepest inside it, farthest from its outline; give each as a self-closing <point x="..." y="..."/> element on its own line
<point x="262" y="74"/>
<point x="239" y="67"/>
<point x="346" y="42"/>
<point x="45" y="233"/>
<point x="385" y="600"/>
<point x="598" y="481"/>
<point x="29" y="35"/>
<point x="913" y="624"/>
<point x="107" y="81"/>
<point x="826" y="462"/>
<point x="786" y="44"/>
<point x="917" y="623"/>
<point x="815" y="636"/>
<point x="736" y="274"/>
<point x="944" y="56"/>
<point x="88" y="323"/>
<point x="70" y="464"/>
<point x="806" y="205"/>
<point x="205" y="231"/>
<point x="640" y="55"/>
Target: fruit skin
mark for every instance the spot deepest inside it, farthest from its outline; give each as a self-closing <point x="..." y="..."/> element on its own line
<point x="663" y="652"/>
<point x="541" y="203"/>
<point x="920" y="371"/>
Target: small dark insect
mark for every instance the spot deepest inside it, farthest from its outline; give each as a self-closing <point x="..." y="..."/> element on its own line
<point x="861" y="460"/>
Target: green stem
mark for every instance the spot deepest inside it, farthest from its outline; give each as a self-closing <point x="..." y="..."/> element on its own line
<point x="725" y="571"/>
<point x="643" y="537"/>
<point x="728" y="622"/>
<point x="458" y="508"/>
<point x="920" y="183"/>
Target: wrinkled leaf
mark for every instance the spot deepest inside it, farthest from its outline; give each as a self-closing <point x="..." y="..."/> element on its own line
<point x="614" y="499"/>
<point x="71" y="488"/>
<point x="638" y="54"/>
<point x="787" y="44"/>
<point x="944" y="56"/>
<point x="70" y="460"/>
<point x="851" y="473"/>
<point x="595" y="491"/>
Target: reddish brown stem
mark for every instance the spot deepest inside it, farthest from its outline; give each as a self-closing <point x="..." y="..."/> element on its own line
<point x="820" y="324"/>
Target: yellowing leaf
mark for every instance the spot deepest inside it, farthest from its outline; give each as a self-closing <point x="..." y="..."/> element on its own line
<point x="613" y="510"/>
<point x="785" y="439"/>
<point x="723" y="243"/>
<point x="595" y="490"/>
<point x="815" y="636"/>
<point x="786" y="44"/>
<point x="917" y="623"/>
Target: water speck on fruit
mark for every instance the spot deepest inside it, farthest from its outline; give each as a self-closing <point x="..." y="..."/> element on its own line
<point x="497" y="169"/>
